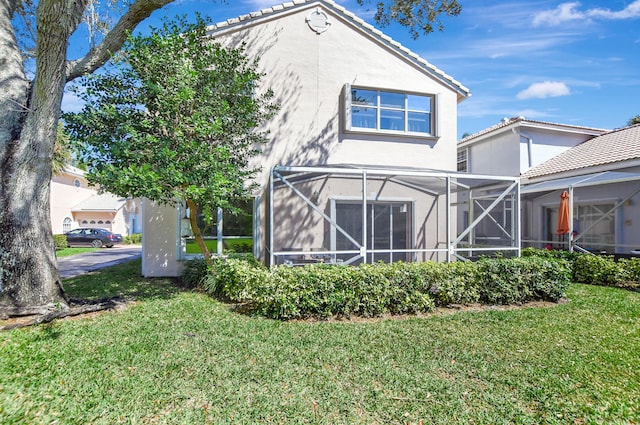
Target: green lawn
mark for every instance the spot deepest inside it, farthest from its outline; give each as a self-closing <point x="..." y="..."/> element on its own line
<point x="67" y="252"/>
<point x="181" y="357"/>
<point x="212" y="245"/>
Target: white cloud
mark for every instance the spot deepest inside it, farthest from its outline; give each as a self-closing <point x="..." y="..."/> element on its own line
<point x="544" y="90"/>
<point x="563" y="13"/>
<point x="567" y="12"/>
<point x="629" y="12"/>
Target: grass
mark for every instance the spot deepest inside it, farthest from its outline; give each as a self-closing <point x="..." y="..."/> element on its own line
<point x="67" y="252"/>
<point x="212" y="244"/>
<point x="181" y="357"/>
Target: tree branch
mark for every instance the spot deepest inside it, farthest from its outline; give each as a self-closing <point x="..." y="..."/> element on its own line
<point x="114" y="40"/>
<point x="13" y="7"/>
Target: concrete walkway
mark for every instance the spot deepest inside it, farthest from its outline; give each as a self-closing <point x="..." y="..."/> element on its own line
<point x="90" y="261"/>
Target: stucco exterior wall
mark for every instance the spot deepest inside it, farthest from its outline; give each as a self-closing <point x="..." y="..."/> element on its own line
<point x="511" y="152"/>
<point x="498" y="155"/>
<point x="64" y="195"/>
<point x="160" y="240"/>
<point x="308" y="71"/>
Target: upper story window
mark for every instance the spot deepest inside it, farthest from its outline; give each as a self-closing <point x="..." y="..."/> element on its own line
<point x="463" y="160"/>
<point x="389" y="111"/>
<point x="77" y="183"/>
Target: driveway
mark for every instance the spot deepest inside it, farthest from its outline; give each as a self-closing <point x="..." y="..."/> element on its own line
<point x="90" y="261"/>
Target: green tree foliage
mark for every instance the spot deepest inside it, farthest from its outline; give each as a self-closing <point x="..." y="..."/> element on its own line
<point x="61" y="151"/>
<point x="175" y="118"/>
<point x="419" y="16"/>
<point x="634" y="120"/>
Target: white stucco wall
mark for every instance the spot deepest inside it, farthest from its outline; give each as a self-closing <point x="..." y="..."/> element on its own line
<point x="508" y="151"/>
<point x="160" y="240"/>
<point x="307" y="71"/>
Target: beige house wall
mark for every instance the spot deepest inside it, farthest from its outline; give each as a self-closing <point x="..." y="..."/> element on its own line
<point x="65" y="195"/>
<point x="308" y="72"/>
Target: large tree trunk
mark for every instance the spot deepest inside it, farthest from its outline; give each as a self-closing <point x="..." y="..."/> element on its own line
<point x="29" y="111"/>
<point x="30" y="275"/>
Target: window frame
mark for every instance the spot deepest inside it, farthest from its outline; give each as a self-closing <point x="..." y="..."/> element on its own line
<point x="464" y="161"/>
<point x="378" y="107"/>
<point x="66" y="224"/>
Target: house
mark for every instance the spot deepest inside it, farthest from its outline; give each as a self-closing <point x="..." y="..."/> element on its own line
<point x="514" y="145"/>
<point x="602" y="178"/>
<point x="361" y="165"/>
<point x="74" y="203"/>
<point x="509" y="148"/>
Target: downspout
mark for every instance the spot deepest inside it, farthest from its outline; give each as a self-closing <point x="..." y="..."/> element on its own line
<point x="529" y="146"/>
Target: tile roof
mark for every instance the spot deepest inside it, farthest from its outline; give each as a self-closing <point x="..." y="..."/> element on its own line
<point x="349" y="16"/>
<point x="102" y="202"/>
<point x="615" y="146"/>
<point x="523" y="121"/>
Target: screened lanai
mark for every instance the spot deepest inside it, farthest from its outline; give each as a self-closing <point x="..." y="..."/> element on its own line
<point x="348" y="214"/>
<point x="604" y="212"/>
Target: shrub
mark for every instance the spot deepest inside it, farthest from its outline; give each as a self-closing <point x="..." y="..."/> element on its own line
<point x="60" y="242"/>
<point x="374" y="289"/>
<point x="135" y="238"/>
<point x="194" y="273"/>
<point x="604" y="270"/>
<point x="519" y="280"/>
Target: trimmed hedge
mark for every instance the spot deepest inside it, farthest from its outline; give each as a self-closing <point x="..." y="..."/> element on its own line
<point x="60" y="242"/>
<point x="601" y="270"/>
<point x="604" y="270"/>
<point x="134" y="238"/>
<point x="373" y="289"/>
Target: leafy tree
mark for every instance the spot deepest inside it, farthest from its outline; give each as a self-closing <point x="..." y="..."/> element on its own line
<point x="175" y="118"/>
<point x="61" y="152"/>
<point x="634" y="120"/>
<point x="420" y="16"/>
<point x="30" y="107"/>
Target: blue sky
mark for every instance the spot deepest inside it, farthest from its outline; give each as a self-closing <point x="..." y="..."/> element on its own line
<point x="574" y="63"/>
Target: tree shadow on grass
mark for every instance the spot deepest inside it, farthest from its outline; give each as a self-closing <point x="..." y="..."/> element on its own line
<point x="122" y="280"/>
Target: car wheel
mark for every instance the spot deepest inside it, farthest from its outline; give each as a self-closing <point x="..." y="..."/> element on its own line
<point x="96" y="243"/>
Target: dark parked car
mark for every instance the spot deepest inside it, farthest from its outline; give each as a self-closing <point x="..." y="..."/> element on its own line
<point x="92" y="237"/>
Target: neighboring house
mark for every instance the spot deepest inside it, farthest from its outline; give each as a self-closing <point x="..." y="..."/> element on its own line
<point x="514" y="145"/>
<point x="348" y="173"/>
<point x="76" y="204"/>
<point x="509" y="148"/>
<point x="602" y="177"/>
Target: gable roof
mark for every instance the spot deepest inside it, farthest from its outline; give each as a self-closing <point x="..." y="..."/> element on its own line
<point x="102" y="202"/>
<point x="508" y="123"/>
<point x="612" y="147"/>
<point x="296" y="5"/>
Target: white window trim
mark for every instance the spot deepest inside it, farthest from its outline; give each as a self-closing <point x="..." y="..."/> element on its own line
<point x="347" y="104"/>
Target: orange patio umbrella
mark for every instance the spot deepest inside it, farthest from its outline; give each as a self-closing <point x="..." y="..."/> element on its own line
<point x="563" y="214"/>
